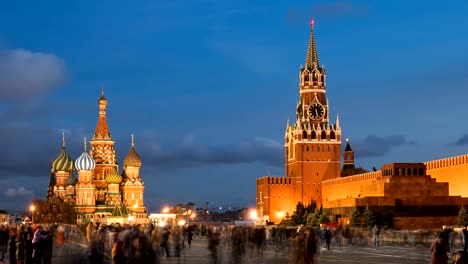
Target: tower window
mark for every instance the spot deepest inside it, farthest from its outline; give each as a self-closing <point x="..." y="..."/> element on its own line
<point x="307" y="148"/>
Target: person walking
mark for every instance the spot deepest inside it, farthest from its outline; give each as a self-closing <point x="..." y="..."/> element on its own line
<point x="439" y="249"/>
<point x="465" y="239"/>
<point x="376" y="233"/>
<point x="310" y="246"/>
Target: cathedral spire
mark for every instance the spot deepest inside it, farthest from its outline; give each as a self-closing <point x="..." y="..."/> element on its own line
<point x="102" y="129"/>
<point x="63" y="139"/>
<point x="312" y="55"/>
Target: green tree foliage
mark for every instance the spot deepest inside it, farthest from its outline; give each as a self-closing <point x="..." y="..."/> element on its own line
<point x="314" y="218"/>
<point x="300" y="216"/>
<point x="324" y="218"/>
<point x="53" y="212"/>
<point x="463" y="217"/>
<point x="355" y="219"/>
<point x="369" y="217"/>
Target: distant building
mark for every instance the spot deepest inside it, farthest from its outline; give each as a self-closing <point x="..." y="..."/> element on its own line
<point x="100" y="192"/>
<point x="404" y="195"/>
<point x="4" y="217"/>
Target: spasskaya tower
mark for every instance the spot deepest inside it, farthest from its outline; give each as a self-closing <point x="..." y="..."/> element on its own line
<point x="312" y="142"/>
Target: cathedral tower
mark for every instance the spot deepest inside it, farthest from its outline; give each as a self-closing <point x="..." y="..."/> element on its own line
<point x="85" y="197"/>
<point x="132" y="185"/>
<point x="312" y="143"/>
<point x="102" y="151"/>
<point x="62" y="167"/>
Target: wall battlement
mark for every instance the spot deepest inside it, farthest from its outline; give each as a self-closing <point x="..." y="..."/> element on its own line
<point x="355" y="178"/>
<point x="276" y="180"/>
<point x="447" y="162"/>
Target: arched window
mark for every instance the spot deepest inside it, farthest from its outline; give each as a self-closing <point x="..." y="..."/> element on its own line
<point x="304" y="134"/>
<point x="323" y="136"/>
<point x="313" y="135"/>
<point x="332" y="135"/>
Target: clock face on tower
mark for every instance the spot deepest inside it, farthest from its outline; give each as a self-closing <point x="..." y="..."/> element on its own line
<point x="316" y="111"/>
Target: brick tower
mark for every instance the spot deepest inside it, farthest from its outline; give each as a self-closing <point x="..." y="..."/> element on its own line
<point x="103" y="152"/>
<point x="312" y="143"/>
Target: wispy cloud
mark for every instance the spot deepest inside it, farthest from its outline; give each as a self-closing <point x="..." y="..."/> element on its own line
<point x="20" y="191"/>
<point x="325" y="10"/>
<point x="340" y="8"/>
<point x="188" y="152"/>
<point x="377" y="146"/>
<point x="462" y="141"/>
<point x="24" y="73"/>
<point x="259" y="58"/>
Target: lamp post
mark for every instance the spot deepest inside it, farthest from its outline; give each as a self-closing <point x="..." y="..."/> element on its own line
<point x="32" y="208"/>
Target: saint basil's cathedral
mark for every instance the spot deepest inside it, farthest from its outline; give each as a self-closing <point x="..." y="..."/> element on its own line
<point x="99" y="193"/>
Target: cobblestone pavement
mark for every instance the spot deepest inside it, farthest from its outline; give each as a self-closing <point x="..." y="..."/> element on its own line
<point x="76" y="253"/>
<point x="199" y="253"/>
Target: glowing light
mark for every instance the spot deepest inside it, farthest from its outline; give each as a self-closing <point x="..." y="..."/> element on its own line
<point x="253" y="214"/>
<point x="347" y="139"/>
<point x="280" y="214"/>
<point x="182" y="222"/>
<point x="311" y="22"/>
<point x="165" y="210"/>
<point x="135" y="205"/>
<point x="32" y="208"/>
<point x="193" y="215"/>
<point x="131" y="218"/>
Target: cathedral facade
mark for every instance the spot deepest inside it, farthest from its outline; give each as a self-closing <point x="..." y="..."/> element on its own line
<point x="403" y="195"/>
<point x="100" y="192"/>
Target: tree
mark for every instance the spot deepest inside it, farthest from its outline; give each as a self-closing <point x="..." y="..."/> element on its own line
<point x="298" y="216"/>
<point x="314" y="218"/>
<point x="53" y="211"/>
<point x="462" y="217"/>
<point x="369" y="217"/>
<point x="324" y="218"/>
<point x="355" y="217"/>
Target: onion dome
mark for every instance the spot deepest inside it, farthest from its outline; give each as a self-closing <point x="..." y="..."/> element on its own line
<point x="102" y="100"/>
<point x="113" y="177"/>
<point x="132" y="159"/>
<point x="71" y="180"/>
<point x="84" y="161"/>
<point x="63" y="162"/>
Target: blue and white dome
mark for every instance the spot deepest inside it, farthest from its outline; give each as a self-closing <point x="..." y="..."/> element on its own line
<point x="85" y="162"/>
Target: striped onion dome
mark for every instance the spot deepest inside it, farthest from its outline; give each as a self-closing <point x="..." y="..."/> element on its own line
<point x="63" y="162"/>
<point x="71" y="180"/>
<point x="85" y="162"/>
<point x="132" y="159"/>
<point x="113" y="177"/>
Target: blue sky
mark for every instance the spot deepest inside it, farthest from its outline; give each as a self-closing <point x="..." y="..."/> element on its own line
<point x="207" y="86"/>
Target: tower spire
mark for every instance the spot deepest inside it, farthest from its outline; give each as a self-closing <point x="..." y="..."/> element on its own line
<point x="84" y="141"/>
<point x="312" y="55"/>
<point x="63" y="139"/>
<point x="133" y="142"/>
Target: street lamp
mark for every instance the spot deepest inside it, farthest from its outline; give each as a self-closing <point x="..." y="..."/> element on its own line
<point x="32" y="208"/>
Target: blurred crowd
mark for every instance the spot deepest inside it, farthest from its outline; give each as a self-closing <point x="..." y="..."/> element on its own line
<point x="128" y="244"/>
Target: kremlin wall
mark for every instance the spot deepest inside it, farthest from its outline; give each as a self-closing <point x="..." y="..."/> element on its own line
<point x="401" y="195"/>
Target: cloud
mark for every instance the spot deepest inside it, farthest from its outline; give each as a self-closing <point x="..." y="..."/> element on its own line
<point x="340" y="8"/>
<point x="462" y="141"/>
<point x="375" y="146"/>
<point x="32" y="149"/>
<point x="188" y="153"/>
<point x="20" y="191"/>
<point x="24" y="73"/>
<point x="259" y="58"/>
<point x="323" y="10"/>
